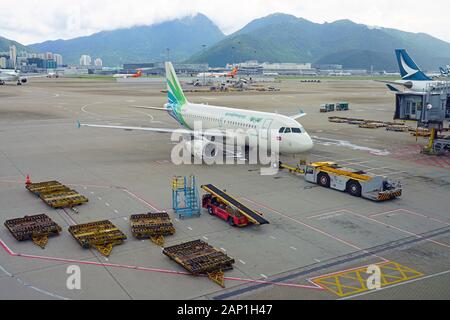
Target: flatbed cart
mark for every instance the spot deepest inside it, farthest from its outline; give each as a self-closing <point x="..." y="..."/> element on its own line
<point x="356" y="183"/>
<point x="37" y="228"/>
<point x="221" y="204"/>
<point x="102" y="235"/>
<point x="199" y="258"/>
<point x="153" y="226"/>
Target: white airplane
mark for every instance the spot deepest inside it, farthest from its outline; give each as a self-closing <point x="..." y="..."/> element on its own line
<point x="413" y="78"/>
<point x="291" y="136"/>
<point x="230" y="74"/>
<point x="11" y="75"/>
<point x="138" y="74"/>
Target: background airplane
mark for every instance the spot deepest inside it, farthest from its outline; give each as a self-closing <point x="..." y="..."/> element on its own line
<point x="11" y="75"/>
<point x="230" y="74"/>
<point x="138" y="74"/>
<point x="445" y="71"/>
<point x="413" y="78"/>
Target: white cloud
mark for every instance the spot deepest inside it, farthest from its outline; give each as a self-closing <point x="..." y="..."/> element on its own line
<point x="40" y="20"/>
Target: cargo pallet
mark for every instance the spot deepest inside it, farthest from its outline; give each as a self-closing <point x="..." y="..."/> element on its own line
<point x="102" y="235"/>
<point x="37" y="228"/>
<point x="153" y="226"/>
<point x="56" y="195"/>
<point x="199" y="258"/>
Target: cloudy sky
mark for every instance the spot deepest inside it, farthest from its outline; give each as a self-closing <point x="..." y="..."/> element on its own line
<point x="39" y="20"/>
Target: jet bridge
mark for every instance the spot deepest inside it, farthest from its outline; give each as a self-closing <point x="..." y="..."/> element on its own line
<point x="431" y="110"/>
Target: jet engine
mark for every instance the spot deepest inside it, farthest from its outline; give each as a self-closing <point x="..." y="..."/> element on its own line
<point x="24" y="80"/>
<point x="201" y="148"/>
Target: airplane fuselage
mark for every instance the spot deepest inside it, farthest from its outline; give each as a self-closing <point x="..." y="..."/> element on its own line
<point x="247" y="124"/>
<point x="421" y="86"/>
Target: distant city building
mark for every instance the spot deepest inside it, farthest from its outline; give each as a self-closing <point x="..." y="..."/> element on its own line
<point x="3" y="63"/>
<point x="98" y="62"/>
<point x="13" y="56"/>
<point x="85" y="60"/>
<point x="58" y="58"/>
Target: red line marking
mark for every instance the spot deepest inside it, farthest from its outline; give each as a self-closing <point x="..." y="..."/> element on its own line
<point x="138" y="268"/>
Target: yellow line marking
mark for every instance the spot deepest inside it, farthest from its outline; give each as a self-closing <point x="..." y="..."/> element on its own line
<point x="348" y="283"/>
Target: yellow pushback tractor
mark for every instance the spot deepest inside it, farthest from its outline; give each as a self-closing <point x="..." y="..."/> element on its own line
<point x="356" y="183"/>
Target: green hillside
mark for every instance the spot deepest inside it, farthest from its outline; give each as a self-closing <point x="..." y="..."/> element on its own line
<point x="285" y="38"/>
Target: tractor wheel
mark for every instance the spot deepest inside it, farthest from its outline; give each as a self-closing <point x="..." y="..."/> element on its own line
<point x="230" y="221"/>
<point x="210" y="211"/>
<point x="323" y="180"/>
<point x="354" y="188"/>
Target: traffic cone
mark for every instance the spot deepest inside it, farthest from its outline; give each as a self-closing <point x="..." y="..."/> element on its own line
<point x="28" y="181"/>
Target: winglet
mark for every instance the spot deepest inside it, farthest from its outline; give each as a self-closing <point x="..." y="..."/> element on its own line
<point x="300" y="115"/>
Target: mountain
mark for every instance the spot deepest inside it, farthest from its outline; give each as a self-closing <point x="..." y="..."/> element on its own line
<point x="286" y="38"/>
<point x="183" y="37"/>
<point x="6" y="43"/>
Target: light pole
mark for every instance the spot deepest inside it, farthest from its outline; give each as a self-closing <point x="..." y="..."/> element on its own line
<point x="204" y="71"/>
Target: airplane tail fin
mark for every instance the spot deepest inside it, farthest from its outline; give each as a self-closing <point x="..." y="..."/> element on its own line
<point x="175" y="94"/>
<point x="444" y="72"/>
<point x="234" y="71"/>
<point x="409" y="70"/>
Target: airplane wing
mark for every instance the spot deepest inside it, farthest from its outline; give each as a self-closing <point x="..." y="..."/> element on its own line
<point x="150" y="108"/>
<point x="211" y="133"/>
<point x="407" y="85"/>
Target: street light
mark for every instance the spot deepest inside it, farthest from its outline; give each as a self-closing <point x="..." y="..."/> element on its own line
<point x="204" y="71"/>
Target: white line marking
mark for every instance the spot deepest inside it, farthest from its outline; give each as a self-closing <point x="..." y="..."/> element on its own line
<point x="293" y="248"/>
<point x="272" y="237"/>
<point x="190" y="228"/>
<point x="264" y="276"/>
<point x="241" y="261"/>
<point x="205" y="238"/>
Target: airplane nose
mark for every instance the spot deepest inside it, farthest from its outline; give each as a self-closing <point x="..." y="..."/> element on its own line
<point x="306" y="143"/>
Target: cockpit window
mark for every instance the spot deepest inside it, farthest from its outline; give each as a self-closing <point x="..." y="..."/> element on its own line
<point x="281" y="130"/>
<point x="296" y="130"/>
<point x="288" y="130"/>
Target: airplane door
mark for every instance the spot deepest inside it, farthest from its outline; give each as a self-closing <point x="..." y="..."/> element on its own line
<point x="265" y="128"/>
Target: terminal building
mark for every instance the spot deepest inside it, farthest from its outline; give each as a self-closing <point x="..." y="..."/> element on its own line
<point x="158" y="68"/>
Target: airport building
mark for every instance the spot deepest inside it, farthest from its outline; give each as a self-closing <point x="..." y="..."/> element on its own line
<point x="255" y="68"/>
<point x="158" y="68"/>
